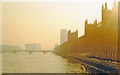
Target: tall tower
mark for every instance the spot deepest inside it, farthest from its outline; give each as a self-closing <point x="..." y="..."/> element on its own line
<point x="63" y="36"/>
<point x="86" y="24"/>
<point x="106" y="8"/>
<point x="102" y="12"/>
<point x="72" y="36"/>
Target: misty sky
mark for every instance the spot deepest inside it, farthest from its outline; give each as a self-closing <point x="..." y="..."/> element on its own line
<point x="40" y="22"/>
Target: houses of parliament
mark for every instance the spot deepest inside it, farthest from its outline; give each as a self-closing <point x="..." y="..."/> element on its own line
<point x="100" y="38"/>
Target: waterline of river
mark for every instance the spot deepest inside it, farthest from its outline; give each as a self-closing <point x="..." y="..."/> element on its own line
<point x="38" y="62"/>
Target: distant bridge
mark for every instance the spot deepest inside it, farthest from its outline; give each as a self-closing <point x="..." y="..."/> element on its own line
<point x="30" y="51"/>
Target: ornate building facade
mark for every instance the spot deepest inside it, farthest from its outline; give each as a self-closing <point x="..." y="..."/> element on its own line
<point x="100" y="39"/>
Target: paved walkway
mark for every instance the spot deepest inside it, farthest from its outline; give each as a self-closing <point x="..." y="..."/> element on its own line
<point x="100" y="66"/>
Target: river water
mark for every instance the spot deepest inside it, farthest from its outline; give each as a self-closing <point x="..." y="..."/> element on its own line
<point x="38" y="62"/>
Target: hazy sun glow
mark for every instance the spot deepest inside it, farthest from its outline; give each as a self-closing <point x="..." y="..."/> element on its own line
<point x="40" y="21"/>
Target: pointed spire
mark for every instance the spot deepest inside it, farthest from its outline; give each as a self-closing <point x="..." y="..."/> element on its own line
<point x="95" y="22"/>
<point x="77" y="33"/>
<point x="69" y="31"/>
<point x="77" y="30"/>
<point x="105" y="5"/>
<point x="102" y="11"/>
<point x="86" y="21"/>
<point x="102" y="6"/>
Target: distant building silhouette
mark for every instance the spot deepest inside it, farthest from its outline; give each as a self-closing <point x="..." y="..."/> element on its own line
<point x="10" y="47"/>
<point x="32" y="47"/>
<point x="63" y="36"/>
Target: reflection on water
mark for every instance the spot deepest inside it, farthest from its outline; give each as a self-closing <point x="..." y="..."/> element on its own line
<point x="23" y="62"/>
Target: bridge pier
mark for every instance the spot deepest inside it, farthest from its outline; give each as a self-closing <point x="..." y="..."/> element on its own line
<point x="44" y="52"/>
<point x="15" y="52"/>
<point x="30" y="52"/>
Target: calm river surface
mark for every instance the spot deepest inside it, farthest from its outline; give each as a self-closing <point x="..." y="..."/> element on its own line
<point x="37" y="62"/>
